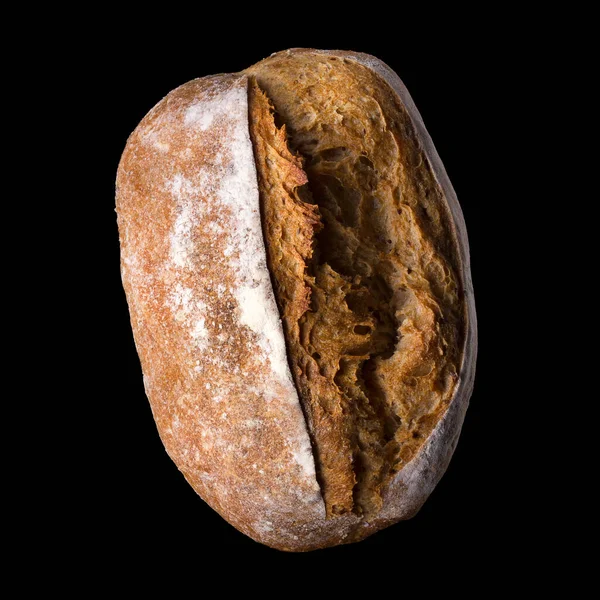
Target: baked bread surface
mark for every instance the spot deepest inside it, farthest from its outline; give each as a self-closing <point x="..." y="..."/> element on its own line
<point x="368" y="258"/>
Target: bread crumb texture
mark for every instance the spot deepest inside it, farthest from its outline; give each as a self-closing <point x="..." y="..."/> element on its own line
<point x="364" y="264"/>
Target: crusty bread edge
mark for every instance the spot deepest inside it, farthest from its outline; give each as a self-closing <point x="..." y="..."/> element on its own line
<point x="413" y="484"/>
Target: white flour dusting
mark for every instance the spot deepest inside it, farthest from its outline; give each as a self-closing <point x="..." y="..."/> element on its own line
<point x="221" y="203"/>
<point x="238" y="191"/>
<point x="189" y="209"/>
<point x="254" y="305"/>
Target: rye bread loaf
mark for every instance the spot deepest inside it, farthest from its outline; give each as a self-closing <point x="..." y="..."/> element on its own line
<point x="297" y="272"/>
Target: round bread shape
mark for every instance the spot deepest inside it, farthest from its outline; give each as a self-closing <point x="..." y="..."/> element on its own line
<point x="296" y="268"/>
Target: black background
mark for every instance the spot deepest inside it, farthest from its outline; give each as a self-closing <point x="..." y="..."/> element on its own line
<point x="136" y="500"/>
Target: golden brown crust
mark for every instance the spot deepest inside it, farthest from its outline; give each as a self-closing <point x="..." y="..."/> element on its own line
<point x="206" y="323"/>
<point x="203" y="315"/>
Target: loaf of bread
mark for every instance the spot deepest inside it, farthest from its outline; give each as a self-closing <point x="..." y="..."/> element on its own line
<point x="296" y="266"/>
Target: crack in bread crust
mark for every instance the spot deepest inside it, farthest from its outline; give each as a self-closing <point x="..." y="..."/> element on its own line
<point x="364" y="265"/>
<point x="289" y="224"/>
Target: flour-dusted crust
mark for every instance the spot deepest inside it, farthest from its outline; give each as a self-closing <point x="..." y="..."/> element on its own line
<point x="207" y="328"/>
<point x="203" y="313"/>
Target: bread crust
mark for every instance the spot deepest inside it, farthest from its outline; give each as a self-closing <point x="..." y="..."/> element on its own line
<point x="207" y="328"/>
